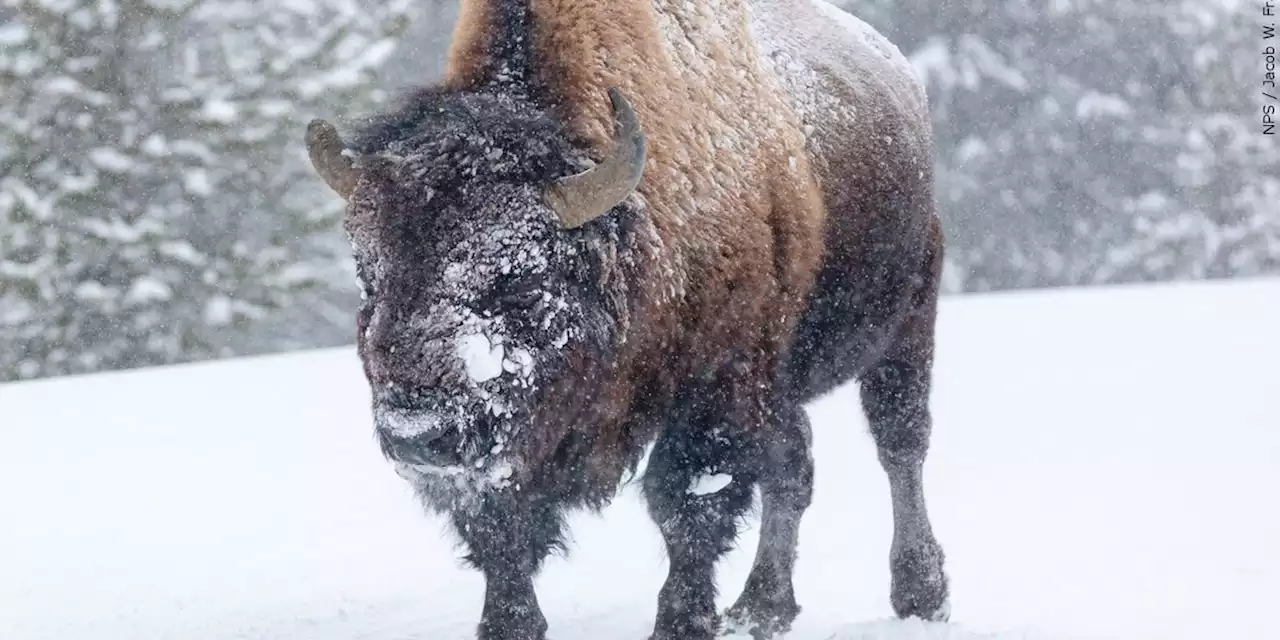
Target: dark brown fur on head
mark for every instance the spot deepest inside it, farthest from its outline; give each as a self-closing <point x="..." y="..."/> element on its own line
<point x="454" y="247"/>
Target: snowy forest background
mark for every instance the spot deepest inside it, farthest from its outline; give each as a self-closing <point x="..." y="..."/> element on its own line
<point x="156" y="205"/>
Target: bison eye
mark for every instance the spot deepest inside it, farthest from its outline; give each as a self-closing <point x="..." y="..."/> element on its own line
<point x="523" y="299"/>
<point x="521" y="293"/>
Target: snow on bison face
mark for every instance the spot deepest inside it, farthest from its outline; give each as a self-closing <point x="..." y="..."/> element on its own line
<point x="461" y="218"/>
<point x="462" y="304"/>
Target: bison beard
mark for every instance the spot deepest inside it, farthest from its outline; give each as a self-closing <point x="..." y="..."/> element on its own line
<point x="533" y="320"/>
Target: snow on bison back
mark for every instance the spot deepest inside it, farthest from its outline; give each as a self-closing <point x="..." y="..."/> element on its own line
<point x="553" y="282"/>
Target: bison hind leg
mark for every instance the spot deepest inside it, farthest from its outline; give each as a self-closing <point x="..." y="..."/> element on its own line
<point x="895" y="398"/>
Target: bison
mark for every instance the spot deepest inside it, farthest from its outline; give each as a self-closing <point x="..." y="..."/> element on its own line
<point x="619" y="226"/>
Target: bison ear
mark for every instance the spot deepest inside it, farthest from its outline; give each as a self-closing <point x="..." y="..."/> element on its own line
<point x="581" y="198"/>
<point x="326" y="147"/>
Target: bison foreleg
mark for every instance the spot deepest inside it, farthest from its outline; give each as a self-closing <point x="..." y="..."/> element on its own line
<point x="698" y="486"/>
<point x="508" y="540"/>
<point x="767" y="606"/>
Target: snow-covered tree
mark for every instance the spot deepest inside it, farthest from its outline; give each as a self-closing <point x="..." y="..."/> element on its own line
<point x="156" y="204"/>
<point x="1089" y="141"/>
<point x="422" y="52"/>
<point x="1218" y="212"/>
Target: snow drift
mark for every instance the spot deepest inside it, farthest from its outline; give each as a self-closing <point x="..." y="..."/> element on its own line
<point x="1105" y="465"/>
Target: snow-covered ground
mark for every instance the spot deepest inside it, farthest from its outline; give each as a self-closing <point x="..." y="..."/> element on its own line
<point x="1106" y="464"/>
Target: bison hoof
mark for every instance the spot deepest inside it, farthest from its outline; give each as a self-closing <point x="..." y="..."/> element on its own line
<point x="920" y="586"/>
<point x="532" y="628"/>
<point x="761" y="618"/>
<point x="760" y="626"/>
<point x="696" y="628"/>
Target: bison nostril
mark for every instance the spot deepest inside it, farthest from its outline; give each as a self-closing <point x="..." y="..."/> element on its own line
<point x="436" y="447"/>
<point x="445" y="443"/>
<point x="412" y="432"/>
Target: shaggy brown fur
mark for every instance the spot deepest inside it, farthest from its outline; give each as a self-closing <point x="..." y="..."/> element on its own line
<point x="729" y="191"/>
<point x="782" y="241"/>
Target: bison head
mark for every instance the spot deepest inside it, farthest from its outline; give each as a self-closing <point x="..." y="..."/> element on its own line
<point x="465" y="213"/>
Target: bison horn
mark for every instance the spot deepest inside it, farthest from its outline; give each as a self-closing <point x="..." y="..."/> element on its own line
<point x="581" y="198"/>
<point x="325" y="147"/>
